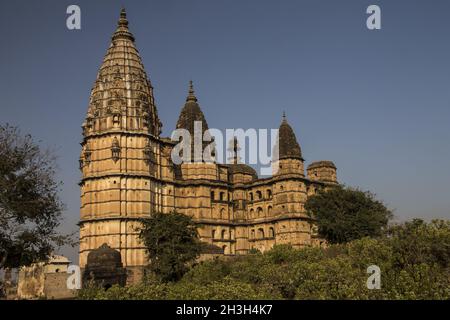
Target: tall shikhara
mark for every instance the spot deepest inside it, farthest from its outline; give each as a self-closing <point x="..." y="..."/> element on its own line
<point x="120" y="152"/>
<point x="127" y="174"/>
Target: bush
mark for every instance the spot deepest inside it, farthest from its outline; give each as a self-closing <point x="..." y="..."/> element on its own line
<point x="413" y="259"/>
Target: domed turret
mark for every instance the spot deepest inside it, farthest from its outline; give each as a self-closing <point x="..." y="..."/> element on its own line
<point x="104" y="266"/>
<point x="288" y="146"/>
<point x="189" y="115"/>
<point x="191" y="112"/>
<point x="324" y="171"/>
<point x="287" y="154"/>
<point x="104" y="256"/>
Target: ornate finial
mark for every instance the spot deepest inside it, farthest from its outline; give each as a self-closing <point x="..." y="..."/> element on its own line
<point x="123" y="18"/>
<point x="284" y="115"/>
<point x="122" y="27"/>
<point x="191" y="96"/>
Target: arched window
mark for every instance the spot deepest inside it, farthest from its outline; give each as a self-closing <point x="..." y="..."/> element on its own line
<point x="222" y="196"/>
<point x="271" y="232"/>
<point x="281" y="187"/>
<point x="223" y="234"/>
<point x="224" y="248"/>
<point x="269" y="210"/>
<point x="260" y="233"/>
<point x="259" y="194"/>
<point x="251" y="196"/>
<point x="260" y="211"/>
<point x="212" y="195"/>
<point x="252" y="213"/>
<point x="213" y="234"/>
<point x="222" y="213"/>
<point x="269" y="193"/>
<point x="252" y="234"/>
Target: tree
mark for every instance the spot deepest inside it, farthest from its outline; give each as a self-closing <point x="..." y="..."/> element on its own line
<point x="172" y="243"/>
<point x="345" y="214"/>
<point x="30" y="210"/>
<point x="416" y="242"/>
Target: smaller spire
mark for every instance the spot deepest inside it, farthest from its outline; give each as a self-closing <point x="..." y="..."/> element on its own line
<point x="191" y="96"/>
<point x="233" y="149"/>
<point x="284" y="116"/>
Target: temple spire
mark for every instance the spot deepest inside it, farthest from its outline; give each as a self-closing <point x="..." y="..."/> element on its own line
<point x="287" y="143"/>
<point x="191" y="96"/>
<point x="130" y="104"/>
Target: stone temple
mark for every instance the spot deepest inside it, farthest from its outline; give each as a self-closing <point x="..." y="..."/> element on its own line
<point x="127" y="173"/>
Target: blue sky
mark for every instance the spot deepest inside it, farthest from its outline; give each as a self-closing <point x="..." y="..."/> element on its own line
<point x="377" y="103"/>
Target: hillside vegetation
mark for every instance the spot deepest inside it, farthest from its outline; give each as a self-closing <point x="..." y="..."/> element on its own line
<point x="414" y="259"/>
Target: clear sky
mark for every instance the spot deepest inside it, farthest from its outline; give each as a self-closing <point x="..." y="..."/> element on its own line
<point x="377" y="103"/>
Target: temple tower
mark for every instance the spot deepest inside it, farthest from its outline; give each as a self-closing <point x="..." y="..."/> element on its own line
<point x="121" y="153"/>
<point x="289" y="189"/>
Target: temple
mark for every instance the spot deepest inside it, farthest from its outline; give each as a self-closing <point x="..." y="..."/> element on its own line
<point x="127" y="173"/>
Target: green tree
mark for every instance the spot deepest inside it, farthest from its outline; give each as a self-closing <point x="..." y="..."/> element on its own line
<point x="416" y="242"/>
<point x="172" y="243"/>
<point x="346" y="214"/>
<point x="30" y="209"/>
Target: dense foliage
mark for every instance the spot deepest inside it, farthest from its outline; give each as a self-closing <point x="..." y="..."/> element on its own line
<point x="346" y="214"/>
<point x="172" y="243"/>
<point x="30" y="209"/>
<point x="414" y="261"/>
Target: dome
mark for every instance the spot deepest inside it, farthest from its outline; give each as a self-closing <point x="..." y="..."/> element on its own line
<point x="239" y="168"/>
<point x="104" y="266"/>
<point x="104" y="256"/>
<point x="57" y="259"/>
<point x="288" y="146"/>
<point x="321" y="164"/>
<point x="190" y="113"/>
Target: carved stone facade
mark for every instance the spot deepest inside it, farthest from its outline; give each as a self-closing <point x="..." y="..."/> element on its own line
<point x="127" y="173"/>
